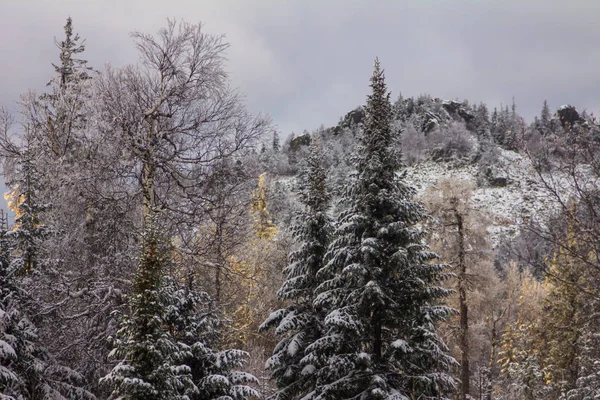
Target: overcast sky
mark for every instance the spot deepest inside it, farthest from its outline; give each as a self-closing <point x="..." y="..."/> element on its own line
<point x="307" y="62"/>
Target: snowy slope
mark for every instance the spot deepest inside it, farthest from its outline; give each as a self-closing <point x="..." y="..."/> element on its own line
<point x="522" y="200"/>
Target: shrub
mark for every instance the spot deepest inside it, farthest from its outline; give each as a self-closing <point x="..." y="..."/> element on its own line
<point x="414" y="146"/>
<point x="453" y="142"/>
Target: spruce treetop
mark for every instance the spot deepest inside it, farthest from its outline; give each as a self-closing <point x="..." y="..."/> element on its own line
<point x="377" y="161"/>
<point x="71" y="70"/>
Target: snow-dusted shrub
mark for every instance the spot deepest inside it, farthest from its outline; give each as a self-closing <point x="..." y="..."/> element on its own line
<point x="453" y="142"/>
<point x="414" y="145"/>
<point x="488" y="163"/>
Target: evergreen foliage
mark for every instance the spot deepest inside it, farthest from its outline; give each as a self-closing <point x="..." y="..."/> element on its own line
<point x="545" y="118"/>
<point x="482" y="122"/>
<point x="63" y="108"/>
<point x="587" y="386"/>
<point x="145" y="350"/>
<point x="522" y="346"/>
<point x="566" y="314"/>
<point x="196" y="327"/>
<point x="301" y="323"/>
<point x="163" y="345"/>
<point x="361" y="309"/>
<point x="379" y="288"/>
<point x="27" y="371"/>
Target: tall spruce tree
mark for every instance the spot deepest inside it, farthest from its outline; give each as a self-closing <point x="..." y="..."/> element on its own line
<point x="301" y="323"/>
<point x="588" y="384"/>
<point x="379" y="286"/>
<point x="196" y="326"/>
<point x="566" y="312"/>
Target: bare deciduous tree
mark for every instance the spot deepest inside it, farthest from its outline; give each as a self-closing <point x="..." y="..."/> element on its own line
<point x="176" y="116"/>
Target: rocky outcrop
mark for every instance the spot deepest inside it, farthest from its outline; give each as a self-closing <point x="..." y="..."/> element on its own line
<point x="352" y="118"/>
<point x="568" y="116"/>
<point x="297" y="142"/>
<point x="456" y="108"/>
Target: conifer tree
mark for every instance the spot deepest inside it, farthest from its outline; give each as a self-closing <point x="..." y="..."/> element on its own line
<point x="27" y="371"/>
<point x="569" y="320"/>
<point x="482" y="122"/>
<point x="301" y="323"/>
<point x="16" y="332"/>
<point x="494" y="121"/>
<point x="588" y="384"/>
<point x="164" y="343"/>
<point x="522" y="345"/>
<point x="545" y="118"/>
<point x="145" y="350"/>
<point x="276" y="144"/>
<point x="63" y="106"/>
<point x="196" y="326"/>
<point x="28" y="232"/>
<point x="379" y="286"/>
<point x="566" y="313"/>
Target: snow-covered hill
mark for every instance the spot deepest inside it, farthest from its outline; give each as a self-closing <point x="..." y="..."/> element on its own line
<point x="523" y="199"/>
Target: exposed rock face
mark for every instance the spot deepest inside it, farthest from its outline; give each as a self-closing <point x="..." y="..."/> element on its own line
<point x="456" y="108"/>
<point x="498" y="181"/>
<point x="497" y="177"/>
<point x="302" y="140"/>
<point x="434" y="116"/>
<point x="430" y="122"/>
<point x="353" y="117"/>
<point x="425" y="113"/>
<point x="569" y="116"/>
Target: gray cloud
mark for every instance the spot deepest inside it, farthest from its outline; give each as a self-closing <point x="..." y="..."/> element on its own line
<point x="308" y="62"/>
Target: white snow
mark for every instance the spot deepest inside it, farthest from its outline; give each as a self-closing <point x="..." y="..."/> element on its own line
<point x="524" y="199"/>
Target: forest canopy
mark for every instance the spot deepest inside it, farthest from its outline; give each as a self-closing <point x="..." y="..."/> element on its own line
<point x="166" y="243"/>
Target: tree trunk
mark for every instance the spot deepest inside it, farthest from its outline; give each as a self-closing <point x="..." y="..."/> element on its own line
<point x="377" y="337"/>
<point x="148" y="172"/>
<point x="218" y="286"/>
<point x="465" y="374"/>
<point x="148" y="187"/>
<point x="492" y="360"/>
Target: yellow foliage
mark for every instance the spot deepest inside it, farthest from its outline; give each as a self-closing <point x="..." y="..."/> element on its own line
<point x="523" y="338"/>
<point x="14" y="200"/>
<point x="248" y="293"/>
<point x="565" y="307"/>
<point x="264" y="227"/>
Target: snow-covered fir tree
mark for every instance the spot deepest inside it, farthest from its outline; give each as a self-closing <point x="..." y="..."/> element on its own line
<point x="27" y="371"/>
<point x="163" y="345"/>
<point x="197" y="327"/>
<point x="147" y="352"/>
<point x="382" y="292"/>
<point x="301" y="323"/>
<point x="545" y="118"/>
<point x="61" y="112"/>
